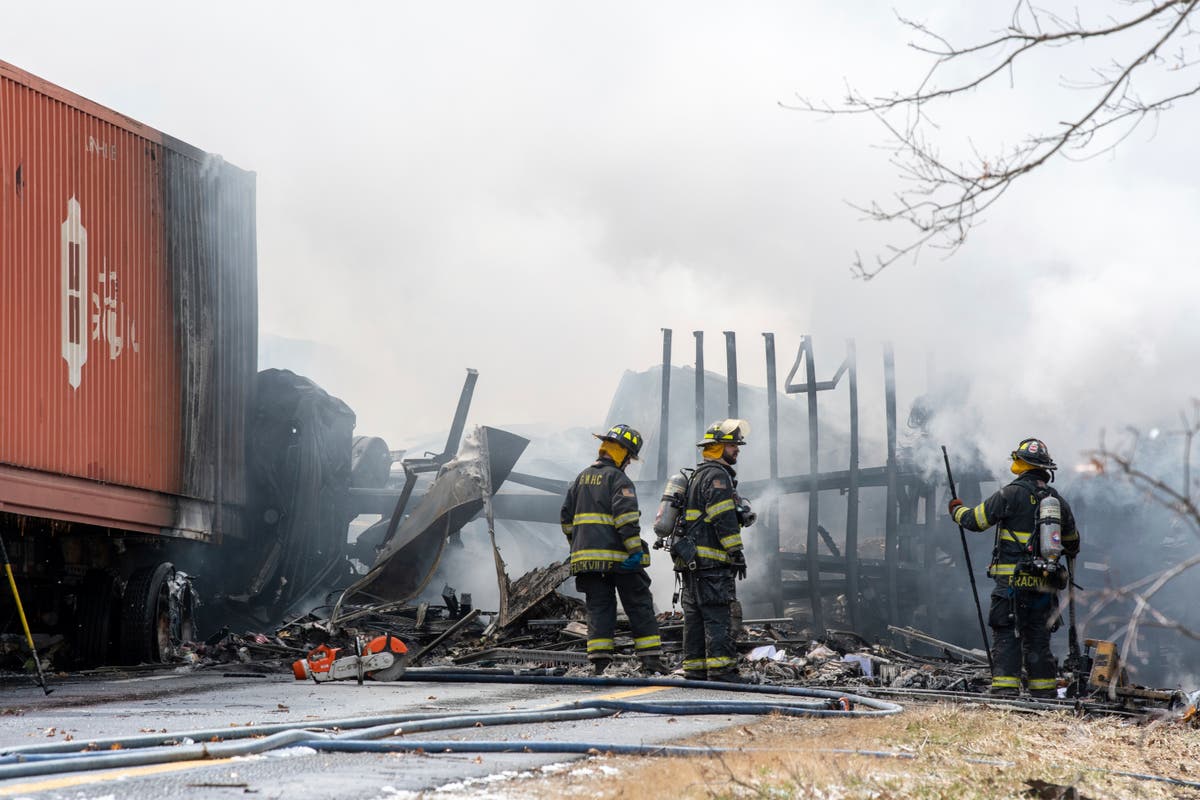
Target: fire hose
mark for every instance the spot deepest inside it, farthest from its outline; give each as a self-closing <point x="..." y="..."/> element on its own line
<point x="362" y="733"/>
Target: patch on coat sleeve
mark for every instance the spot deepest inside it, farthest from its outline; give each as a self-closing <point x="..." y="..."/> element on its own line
<point x="718" y="483"/>
<point x="627" y="492"/>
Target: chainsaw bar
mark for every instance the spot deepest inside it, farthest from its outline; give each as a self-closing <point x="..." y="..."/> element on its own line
<point x="394" y="671"/>
<point x="356" y="666"/>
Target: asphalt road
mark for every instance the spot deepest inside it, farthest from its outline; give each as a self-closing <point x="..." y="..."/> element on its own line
<point x="87" y="708"/>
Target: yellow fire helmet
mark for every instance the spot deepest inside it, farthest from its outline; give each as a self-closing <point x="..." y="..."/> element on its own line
<point x="625" y="436"/>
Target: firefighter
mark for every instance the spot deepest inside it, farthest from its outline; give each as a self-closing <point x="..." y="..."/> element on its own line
<point x="600" y="518"/>
<point x="709" y="555"/>
<point x="1023" y="605"/>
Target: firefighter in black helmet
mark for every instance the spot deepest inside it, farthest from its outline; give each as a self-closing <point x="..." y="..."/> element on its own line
<point x="1027" y="578"/>
<point x="709" y="554"/>
<point x="600" y="518"/>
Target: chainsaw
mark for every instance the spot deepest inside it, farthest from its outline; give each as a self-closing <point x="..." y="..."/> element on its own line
<point x="384" y="658"/>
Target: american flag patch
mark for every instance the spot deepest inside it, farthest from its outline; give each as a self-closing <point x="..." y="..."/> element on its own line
<point x="718" y="484"/>
<point x="627" y="492"/>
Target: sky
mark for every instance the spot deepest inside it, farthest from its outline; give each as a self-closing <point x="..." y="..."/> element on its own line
<point x="535" y="190"/>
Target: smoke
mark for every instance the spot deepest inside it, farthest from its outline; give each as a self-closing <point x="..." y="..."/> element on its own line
<point x="1126" y="536"/>
<point x="541" y="190"/>
<point x="536" y="193"/>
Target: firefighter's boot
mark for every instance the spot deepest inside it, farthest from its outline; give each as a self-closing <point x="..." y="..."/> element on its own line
<point x="599" y="665"/>
<point x="728" y="676"/>
<point x="653" y="665"/>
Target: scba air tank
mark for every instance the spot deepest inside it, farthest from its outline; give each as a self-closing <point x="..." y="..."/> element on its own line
<point x="1049" y="526"/>
<point x="673" y="498"/>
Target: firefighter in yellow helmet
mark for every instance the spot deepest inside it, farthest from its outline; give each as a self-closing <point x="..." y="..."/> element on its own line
<point x="601" y="520"/>
<point x="709" y="555"/>
<point x="1025" y="565"/>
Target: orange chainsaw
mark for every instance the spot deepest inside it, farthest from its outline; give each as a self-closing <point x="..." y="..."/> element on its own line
<point x="383" y="658"/>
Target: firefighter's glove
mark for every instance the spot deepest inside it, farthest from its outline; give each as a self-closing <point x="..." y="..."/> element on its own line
<point x="631" y="564"/>
<point x="955" y="504"/>
<point x="745" y="516"/>
<point x="737" y="560"/>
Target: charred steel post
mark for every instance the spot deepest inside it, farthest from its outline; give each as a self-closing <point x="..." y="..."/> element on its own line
<point x="664" y="419"/>
<point x="731" y="372"/>
<point x="460" y="415"/>
<point x="929" y="548"/>
<point x="891" y="551"/>
<point x="410" y="481"/>
<point x="814" y="491"/>
<point x="852" y="493"/>
<point x="700" y="423"/>
<point x="811" y="387"/>
<point x="772" y="408"/>
<point x="771" y="532"/>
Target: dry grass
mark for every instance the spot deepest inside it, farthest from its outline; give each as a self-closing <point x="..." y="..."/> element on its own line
<point x="1056" y="748"/>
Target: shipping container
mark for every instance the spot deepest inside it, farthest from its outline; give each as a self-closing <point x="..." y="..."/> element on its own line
<point x="128" y="344"/>
<point x="128" y="318"/>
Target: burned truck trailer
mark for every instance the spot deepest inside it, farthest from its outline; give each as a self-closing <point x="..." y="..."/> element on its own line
<point x="128" y="360"/>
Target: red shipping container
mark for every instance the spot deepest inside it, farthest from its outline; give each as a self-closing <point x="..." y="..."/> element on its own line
<point x="128" y="319"/>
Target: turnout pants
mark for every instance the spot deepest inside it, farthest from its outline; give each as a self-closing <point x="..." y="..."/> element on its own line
<point x="708" y="644"/>
<point x="1021" y="635"/>
<point x="600" y="590"/>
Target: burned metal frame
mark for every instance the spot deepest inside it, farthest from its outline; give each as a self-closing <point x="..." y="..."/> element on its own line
<point x="811" y="387"/>
<point x="368" y="501"/>
<point x="850" y="481"/>
<point x="908" y="546"/>
<point x="459" y="492"/>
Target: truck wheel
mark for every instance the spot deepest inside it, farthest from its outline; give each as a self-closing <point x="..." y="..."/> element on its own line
<point x="156" y="615"/>
<point x="96" y="619"/>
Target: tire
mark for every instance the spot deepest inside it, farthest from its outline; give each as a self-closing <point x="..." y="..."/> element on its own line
<point x="154" y="620"/>
<point x="96" y="619"/>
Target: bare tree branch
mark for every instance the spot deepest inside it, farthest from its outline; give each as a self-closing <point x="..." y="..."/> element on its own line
<point x="1182" y="504"/>
<point x="943" y="202"/>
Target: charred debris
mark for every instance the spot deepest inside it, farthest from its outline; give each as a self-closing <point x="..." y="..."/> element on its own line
<point x="885" y="612"/>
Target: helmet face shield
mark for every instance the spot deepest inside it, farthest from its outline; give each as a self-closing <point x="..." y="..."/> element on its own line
<point x="728" y="431"/>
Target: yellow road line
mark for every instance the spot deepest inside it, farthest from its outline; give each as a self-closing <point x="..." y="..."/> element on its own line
<point x="618" y="695"/>
<point x="634" y="692"/>
<point x="67" y="781"/>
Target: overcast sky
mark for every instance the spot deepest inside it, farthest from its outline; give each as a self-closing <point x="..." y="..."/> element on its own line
<point x="535" y="189"/>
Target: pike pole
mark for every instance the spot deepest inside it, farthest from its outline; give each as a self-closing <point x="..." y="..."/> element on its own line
<point x="37" y="662"/>
<point x="987" y="648"/>
<point x="1072" y="632"/>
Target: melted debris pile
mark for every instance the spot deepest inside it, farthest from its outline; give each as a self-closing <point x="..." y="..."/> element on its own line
<point x="540" y="630"/>
<point x="842" y="658"/>
<point x="417" y="625"/>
